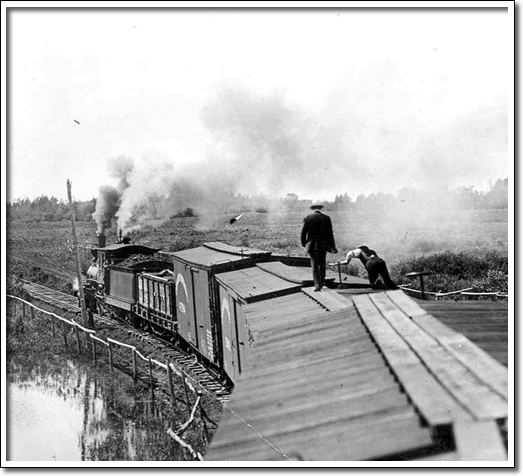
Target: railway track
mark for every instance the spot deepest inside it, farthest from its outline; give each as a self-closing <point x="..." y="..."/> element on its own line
<point x="204" y="378"/>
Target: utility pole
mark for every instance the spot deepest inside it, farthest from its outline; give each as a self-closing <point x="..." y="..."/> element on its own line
<point x="87" y="319"/>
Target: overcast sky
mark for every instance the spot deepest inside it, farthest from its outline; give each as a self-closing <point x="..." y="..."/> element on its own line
<point x="310" y="102"/>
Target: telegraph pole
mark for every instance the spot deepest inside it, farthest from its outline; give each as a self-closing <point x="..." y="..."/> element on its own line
<point x="87" y="319"/>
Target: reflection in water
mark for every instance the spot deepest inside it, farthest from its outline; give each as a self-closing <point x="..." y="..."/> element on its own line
<point x="70" y="413"/>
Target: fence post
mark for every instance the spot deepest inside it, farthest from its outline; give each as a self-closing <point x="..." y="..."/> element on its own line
<point x="64" y="331"/>
<point x="93" y="343"/>
<point x="202" y="416"/>
<point x="111" y="355"/>
<point x="22" y="318"/>
<point x="78" y="339"/>
<point x="170" y="382"/>
<point x="151" y="379"/>
<point x="135" y="365"/>
<point x="187" y="399"/>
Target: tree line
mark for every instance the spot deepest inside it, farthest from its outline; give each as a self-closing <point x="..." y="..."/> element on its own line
<point x="45" y="208"/>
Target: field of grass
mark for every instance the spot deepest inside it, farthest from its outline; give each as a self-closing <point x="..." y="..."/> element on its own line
<point x="43" y="251"/>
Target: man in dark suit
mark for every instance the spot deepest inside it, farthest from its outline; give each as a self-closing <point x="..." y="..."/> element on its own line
<point x="318" y="239"/>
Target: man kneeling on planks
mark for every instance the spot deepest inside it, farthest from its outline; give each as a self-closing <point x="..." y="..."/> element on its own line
<point x="374" y="265"/>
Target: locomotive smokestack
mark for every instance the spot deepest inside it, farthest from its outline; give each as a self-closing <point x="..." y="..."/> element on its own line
<point x="101" y="240"/>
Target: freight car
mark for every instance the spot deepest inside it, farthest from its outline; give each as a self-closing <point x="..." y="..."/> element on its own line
<point x="194" y="297"/>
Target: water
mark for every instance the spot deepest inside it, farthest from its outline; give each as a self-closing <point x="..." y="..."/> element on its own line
<point x="71" y="412"/>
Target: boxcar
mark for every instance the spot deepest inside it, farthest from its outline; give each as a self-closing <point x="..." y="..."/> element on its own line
<point x="197" y="298"/>
<point x="236" y="289"/>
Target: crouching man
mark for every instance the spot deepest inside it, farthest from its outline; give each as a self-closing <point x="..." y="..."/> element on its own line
<point x="374" y="265"/>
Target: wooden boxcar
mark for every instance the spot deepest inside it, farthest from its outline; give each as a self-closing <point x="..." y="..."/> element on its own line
<point x="236" y="289"/>
<point x="197" y="307"/>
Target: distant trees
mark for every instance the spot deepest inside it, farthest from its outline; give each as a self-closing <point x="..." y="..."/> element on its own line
<point x="45" y="208"/>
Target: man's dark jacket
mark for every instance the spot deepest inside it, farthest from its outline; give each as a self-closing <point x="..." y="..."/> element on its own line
<point x="316" y="233"/>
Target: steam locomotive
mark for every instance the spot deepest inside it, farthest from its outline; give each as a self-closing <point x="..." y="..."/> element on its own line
<point x="195" y="297"/>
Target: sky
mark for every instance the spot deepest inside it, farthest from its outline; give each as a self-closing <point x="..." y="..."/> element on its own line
<point x="312" y="102"/>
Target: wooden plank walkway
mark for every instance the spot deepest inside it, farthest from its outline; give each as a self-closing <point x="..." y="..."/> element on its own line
<point x="458" y="378"/>
<point x="316" y="388"/>
<point x="472" y="378"/>
<point x="294" y="274"/>
<point x="360" y="377"/>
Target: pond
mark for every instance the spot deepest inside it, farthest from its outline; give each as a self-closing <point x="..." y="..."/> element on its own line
<point x="69" y="411"/>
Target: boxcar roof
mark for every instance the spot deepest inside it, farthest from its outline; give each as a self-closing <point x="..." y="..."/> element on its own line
<point x="205" y="257"/>
<point x="235" y="250"/>
<point x="294" y="274"/>
<point x="254" y="284"/>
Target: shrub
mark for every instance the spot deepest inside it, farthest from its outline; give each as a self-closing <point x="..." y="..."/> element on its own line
<point x="453" y="271"/>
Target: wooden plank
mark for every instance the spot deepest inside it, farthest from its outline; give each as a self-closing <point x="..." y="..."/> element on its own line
<point x="277" y="390"/>
<point x="236" y="250"/>
<point x="485" y="323"/>
<point x="294" y="274"/>
<point x="463" y="384"/>
<point x="317" y="413"/>
<point x="479" y="441"/>
<point x="364" y="361"/>
<point x="342" y="439"/>
<point x="406" y="304"/>
<point x="329" y="299"/>
<point x="478" y="361"/>
<point x="433" y="401"/>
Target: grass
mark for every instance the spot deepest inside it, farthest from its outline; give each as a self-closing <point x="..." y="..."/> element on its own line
<point x="43" y="251"/>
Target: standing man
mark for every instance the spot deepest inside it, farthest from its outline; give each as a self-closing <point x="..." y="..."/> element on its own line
<point x="318" y="239"/>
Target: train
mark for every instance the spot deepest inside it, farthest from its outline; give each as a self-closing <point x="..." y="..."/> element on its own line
<point x="194" y="297"/>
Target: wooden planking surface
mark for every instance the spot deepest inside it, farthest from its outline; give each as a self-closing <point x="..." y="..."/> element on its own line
<point x="478" y="361"/>
<point x="457" y="378"/>
<point x="485" y="367"/>
<point x="485" y="323"/>
<point x="299" y="350"/>
<point x="331" y="300"/>
<point x="437" y="405"/>
<point x="253" y="284"/>
<point x="294" y="274"/>
<point x="479" y="441"/>
<point x="317" y="388"/>
<point x="235" y="250"/>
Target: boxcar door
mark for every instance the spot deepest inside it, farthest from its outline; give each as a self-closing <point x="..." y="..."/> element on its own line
<point x="229" y="338"/>
<point x="242" y="337"/>
<point x="202" y="291"/>
<point x="185" y="303"/>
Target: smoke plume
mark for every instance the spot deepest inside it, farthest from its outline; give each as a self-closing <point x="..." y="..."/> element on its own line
<point x="109" y="197"/>
<point x="262" y="145"/>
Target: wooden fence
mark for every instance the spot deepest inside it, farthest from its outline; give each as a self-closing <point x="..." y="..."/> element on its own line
<point x="122" y="356"/>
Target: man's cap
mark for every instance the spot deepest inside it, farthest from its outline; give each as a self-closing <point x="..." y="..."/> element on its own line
<point x="317" y="204"/>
